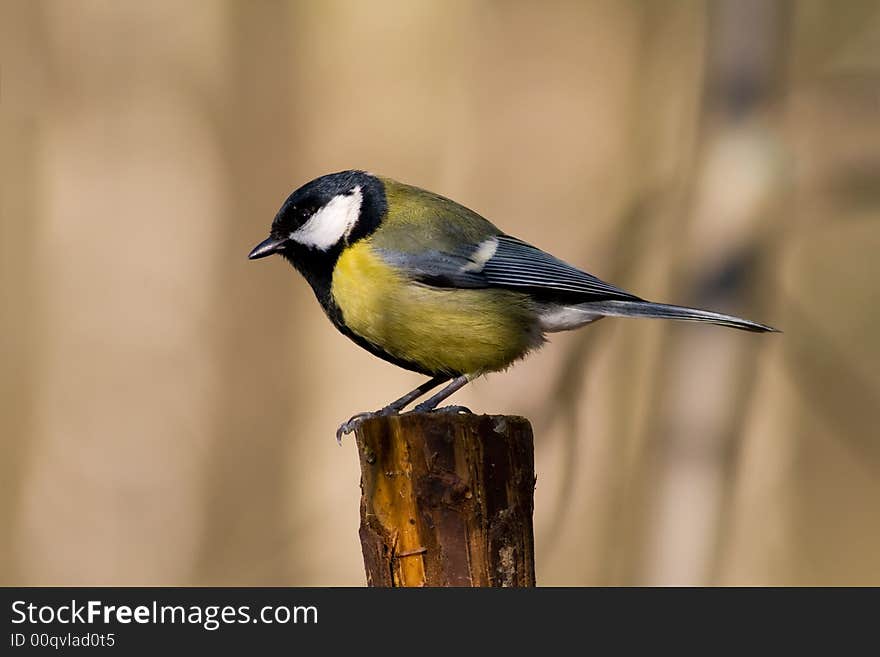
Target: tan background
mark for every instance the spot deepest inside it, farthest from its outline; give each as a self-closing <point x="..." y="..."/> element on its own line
<point x="168" y="407"/>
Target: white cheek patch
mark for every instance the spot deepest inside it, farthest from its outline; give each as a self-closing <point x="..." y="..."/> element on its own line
<point x="332" y="223"/>
<point x="485" y="250"/>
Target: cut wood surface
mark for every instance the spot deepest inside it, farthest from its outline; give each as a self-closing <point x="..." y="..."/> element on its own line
<point x="447" y="500"/>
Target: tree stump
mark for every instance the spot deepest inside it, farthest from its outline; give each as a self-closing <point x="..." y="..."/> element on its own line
<point x="447" y="500"/>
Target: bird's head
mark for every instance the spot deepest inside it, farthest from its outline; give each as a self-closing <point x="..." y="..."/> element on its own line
<point x="325" y="214"/>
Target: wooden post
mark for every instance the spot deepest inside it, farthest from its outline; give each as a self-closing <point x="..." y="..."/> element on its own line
<point x="447" y="500"/>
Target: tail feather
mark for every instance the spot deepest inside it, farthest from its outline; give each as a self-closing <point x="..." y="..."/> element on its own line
<point x="626" y="308"/>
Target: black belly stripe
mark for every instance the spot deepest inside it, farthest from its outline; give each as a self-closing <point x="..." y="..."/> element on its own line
<point x="317" y="269"/>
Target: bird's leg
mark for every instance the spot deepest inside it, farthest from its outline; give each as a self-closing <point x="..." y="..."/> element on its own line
<point x="399" y="404"/>
<point x="454" y="386"/>
<point x="391" y="409"/>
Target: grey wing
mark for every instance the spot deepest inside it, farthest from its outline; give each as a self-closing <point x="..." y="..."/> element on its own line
<point x="505" y="262"/>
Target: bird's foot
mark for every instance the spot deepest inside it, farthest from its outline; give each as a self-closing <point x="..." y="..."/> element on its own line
<point x="422" y="408"/>
<point x="356" y="420"/>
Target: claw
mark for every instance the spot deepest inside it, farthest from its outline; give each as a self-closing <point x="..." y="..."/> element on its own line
<point x="356" y="420"/>
<point x="351" y="425"/>
<point x="421" y="408"/>
<point x="459" y="410"/>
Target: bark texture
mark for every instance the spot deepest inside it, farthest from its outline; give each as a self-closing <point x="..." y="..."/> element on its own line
<point x="447" y="500"/>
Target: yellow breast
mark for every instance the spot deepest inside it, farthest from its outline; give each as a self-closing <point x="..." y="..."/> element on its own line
<point x="452" y="331"/>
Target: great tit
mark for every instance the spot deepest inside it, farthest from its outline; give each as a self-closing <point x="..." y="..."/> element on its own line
<point x="431" y="286"/>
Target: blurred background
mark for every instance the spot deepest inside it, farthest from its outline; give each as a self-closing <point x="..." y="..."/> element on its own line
<point x="167" y="408"/>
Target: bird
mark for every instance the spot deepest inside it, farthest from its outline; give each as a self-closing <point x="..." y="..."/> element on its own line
<point x="431" y="286"/>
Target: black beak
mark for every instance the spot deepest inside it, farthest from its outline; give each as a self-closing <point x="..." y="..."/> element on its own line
<point x="267" y="247"/>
